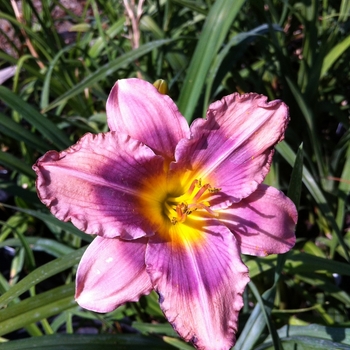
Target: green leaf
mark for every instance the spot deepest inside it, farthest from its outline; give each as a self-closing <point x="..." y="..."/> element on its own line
<point x="13" y="163"/>
<point x="344" y="11"/>
<point x="49" y="246"/>
<point x="310" y="122"/>
<point x="260" y="317"/>
<point x="88" y="342"/>
<point x="45" y="126"/>
<point x="147" y="23"/>
<point x="111" y="32"/>
<point x="288" y="154"/>
<point x="36" y="308"/>
<point x="51" y="220"/>
<point x="265" y="304"/>
<point x="223" y="54"/>
<point x="80" y="27"/>
<point x="12" y="129"/>
<point x="44" y="101"/>
<point x="191" y="5"/>
<point x="106" y="70"/>
<point x="299" y="262"/>
<point x="343" y="193"/>
<point x="325" y="283"/>
<point x="317" y="331"/>
<point x="252" y="330"/>
<point x="215" y="30"/>
<point x="41" y="274"/>
<point x="28" y="195"/>
<point x="296" y="179"/>
<point x="307" y="343"/>
<point x="311" y="337"/>
<point x="178" y="343"/>
<point x="257" y="266"/>
<point x="161" y="328"/>
<point x="334" y="55"/>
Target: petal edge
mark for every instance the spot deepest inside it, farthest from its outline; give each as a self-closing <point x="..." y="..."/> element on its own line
<point x="263" y="223"/>
<point x="111" y="273"/>
<point x="200" y="284"/>
<point x="135" y="107"/>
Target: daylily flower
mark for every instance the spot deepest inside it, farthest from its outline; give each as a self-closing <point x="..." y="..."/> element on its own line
<point x="173" y="206"/>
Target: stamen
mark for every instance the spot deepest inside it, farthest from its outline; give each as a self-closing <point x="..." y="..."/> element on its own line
<point x="200" y="192"/>
<point x="214" y="189"/>
<point x="205" y="207"/>
<point x="181" y="211"/>
<point x="174" y="221"/>
<point x="195" y="183"/>
<point x="182" y="208"/>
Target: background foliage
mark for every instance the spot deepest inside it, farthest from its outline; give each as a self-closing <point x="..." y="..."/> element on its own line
<point x="297" y="51"/>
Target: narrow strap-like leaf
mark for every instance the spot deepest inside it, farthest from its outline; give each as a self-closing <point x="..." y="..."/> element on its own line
<point x="216" y="27"/>
<point x="108" y="69"/>
<point x="45" y="126"/>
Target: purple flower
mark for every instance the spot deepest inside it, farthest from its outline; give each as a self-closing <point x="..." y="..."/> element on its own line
<point x="173" y="206"/>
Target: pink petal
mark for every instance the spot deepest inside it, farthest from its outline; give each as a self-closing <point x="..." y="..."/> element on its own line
<point x="96" y="184"/>
<point x="199" y="276"/>
<point x="136" y="108"/>
<point x="232" y="149"/>
<point x="111" y="273"/>
<point x="263" y="223"/>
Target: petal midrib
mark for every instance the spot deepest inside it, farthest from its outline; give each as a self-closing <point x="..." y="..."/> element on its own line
<point x="94" y="179"/>
<point x="228" y="151"/>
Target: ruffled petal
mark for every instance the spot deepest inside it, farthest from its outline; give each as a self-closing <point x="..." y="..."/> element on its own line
<point x="232" y="149"/>
<point x="263" y="223"/>
<point x="111" y="273"/>
<point x="197" y="271"/>
<point x="96" y="184"/>
<point x="136" y="108"/>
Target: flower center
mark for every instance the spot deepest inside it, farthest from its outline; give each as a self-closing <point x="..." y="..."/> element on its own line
<point x="178" y="208"/>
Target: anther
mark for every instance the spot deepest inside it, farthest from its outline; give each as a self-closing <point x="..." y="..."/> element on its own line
<point x="214" y="189"/>
<point x="189" y="202"/>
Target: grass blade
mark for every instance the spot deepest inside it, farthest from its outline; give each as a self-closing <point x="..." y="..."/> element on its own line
<point x="45" y="126"/>
<point x="334" y="54"/>
<point x="41" y="274"/>
<point x="106" y="70"/>
<point x="216" y="27"/>
<point x="13" y="163"/>
<point x="36" y="308"/>
<point x="288" y="154"/>
<point x="51" y="220"/>
<point x="10" y="128"/>
<point x="224" y="55"/>
<point x="88" y="342"/>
